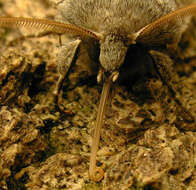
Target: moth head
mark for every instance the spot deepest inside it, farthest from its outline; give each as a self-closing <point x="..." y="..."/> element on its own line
<point x="112" y="52"/>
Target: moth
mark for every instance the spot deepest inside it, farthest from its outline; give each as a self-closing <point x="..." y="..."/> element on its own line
<point x="115" y="26"/>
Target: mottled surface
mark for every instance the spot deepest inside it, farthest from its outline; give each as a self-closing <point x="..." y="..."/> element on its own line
<point x="146" y="142"/>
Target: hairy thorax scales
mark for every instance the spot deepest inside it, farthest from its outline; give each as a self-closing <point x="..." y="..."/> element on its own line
<point x="103" y="15"/>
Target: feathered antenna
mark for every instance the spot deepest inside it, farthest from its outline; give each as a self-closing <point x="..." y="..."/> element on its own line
<point x="153" y="28"/>
<point x="46" y="25"/>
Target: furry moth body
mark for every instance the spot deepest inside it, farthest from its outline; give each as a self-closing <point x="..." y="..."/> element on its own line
<point x="115" y="25"/>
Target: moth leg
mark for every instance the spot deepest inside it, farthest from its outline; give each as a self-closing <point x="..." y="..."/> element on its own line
<point x="164" y="66"/>
<point x="65" y="58"/>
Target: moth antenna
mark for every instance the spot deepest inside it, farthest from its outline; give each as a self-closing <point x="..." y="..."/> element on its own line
<point x="46" y="25"/>
<point x="97" y="173"/>
<point x="175" y="15"/>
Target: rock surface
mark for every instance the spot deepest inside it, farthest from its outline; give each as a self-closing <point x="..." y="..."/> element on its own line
<point x="146" y="141"/>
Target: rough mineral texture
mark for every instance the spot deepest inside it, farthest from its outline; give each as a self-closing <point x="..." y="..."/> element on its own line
<point x="148" y="140"/>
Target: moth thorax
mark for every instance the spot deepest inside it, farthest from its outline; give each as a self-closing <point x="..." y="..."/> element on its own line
<point x="112" y="53"/>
